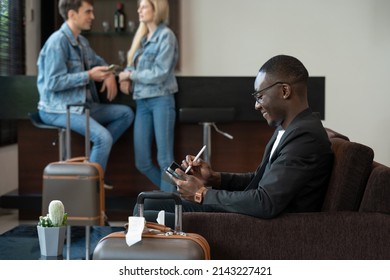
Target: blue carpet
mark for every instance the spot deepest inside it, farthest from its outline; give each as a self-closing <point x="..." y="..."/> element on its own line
<point x="21" y="242"/>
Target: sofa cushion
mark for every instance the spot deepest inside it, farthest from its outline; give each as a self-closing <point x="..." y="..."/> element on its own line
<point x="351" y="168"/>
<point x="297" y="236"/>
<point x="377" y="193"/>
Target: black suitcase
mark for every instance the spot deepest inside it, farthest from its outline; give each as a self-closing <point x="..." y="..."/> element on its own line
<point x="158" y="242"/>
<point x="78" y="183"/>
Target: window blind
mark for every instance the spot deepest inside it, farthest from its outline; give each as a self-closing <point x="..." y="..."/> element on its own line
<point x="12" y="47"/>
<point x="12" y="54"/>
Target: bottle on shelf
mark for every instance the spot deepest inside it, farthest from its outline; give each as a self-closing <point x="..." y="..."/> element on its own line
<point x="119" y="18"/>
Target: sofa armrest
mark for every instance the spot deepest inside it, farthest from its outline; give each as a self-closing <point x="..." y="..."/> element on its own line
<point x="377" y="193"/>
<point x="322" y="235"/>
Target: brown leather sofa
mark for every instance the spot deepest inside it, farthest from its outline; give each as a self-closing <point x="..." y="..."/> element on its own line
<point x="354" y="222"/>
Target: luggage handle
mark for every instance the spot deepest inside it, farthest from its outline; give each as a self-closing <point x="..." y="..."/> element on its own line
<point x="154" y="226"/>
<point x="163" y="195"/>
<point x="78" y="159"/>
<point x="68" y="132"/>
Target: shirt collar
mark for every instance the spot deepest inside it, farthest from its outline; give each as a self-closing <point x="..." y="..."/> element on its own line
<point x="155" y="34"/>
<point x="69" y="34"/>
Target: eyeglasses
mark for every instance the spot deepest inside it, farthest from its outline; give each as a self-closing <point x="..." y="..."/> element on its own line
<point x="256" y="95"/>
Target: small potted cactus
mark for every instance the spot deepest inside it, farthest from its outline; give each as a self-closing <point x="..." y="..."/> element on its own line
<point x="51" y="229"/>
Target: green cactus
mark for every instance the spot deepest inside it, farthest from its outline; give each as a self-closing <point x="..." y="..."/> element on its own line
<point x="56" y="216"/>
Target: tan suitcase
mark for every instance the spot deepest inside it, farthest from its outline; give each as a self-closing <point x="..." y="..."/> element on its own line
<point x="79" y="184"/>
<point x="158" y="242"/>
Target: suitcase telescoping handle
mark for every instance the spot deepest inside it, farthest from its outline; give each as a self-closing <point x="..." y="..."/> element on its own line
<point x="68" y="132"/>
<point x="162" y="195"/>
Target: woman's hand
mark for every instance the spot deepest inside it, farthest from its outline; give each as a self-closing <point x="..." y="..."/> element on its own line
<point x="125" y="86"/>
<point x="124" y="76"/>
<point x="125" y="82"/>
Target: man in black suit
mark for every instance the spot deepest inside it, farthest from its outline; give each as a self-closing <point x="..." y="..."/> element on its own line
<point x="297" y="162"/>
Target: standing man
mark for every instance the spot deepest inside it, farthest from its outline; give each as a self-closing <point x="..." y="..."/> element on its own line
<point x="67" y="71"/>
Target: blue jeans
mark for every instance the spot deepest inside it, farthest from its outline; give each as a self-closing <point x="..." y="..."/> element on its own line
<point x="107" y="123"/>
<point x="155" y="120"/>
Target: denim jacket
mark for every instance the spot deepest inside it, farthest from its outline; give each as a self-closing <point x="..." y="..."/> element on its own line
<point x="62" y="71"/>
<point x="155" y="62"/>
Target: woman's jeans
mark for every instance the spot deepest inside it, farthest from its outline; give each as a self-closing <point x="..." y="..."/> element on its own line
<point x="155" y="121"/>
<point x="107" y="123"/>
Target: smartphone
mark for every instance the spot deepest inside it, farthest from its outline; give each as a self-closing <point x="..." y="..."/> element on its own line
<point x="111" y="67"/>
<point x="171" y="170"/>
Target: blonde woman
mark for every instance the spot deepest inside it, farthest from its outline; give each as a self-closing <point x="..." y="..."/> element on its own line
<point x="152" y="59"/>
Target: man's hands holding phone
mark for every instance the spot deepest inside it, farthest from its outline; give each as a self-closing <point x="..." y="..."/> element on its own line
<point x="99" y="73"/>
<point x="187" y="185"/>
<point x="200" y="169"/>
<point x="171" y="170"/>
<point x="199" y="175"/>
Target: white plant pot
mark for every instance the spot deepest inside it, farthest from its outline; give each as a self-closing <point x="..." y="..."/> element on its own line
<point x="51" y="240"/>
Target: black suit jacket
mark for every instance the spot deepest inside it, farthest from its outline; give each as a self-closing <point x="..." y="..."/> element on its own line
<point x="294" y="179"/>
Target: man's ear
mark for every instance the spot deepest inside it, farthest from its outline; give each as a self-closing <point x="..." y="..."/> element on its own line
<point x="286" y="91"/>
<point x="71" y="14"/>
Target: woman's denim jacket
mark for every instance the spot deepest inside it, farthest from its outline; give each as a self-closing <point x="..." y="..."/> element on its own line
<point x="155" y="62"/>
<point x="62" y="78"/>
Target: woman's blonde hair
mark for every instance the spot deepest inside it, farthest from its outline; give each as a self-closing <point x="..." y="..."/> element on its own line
<point x="161" y="14"/>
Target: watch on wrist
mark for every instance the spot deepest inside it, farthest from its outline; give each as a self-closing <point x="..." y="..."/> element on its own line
<point x="198" y="198"/>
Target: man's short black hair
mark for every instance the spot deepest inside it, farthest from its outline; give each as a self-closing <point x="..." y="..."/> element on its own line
<point x="287" y="68"/>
